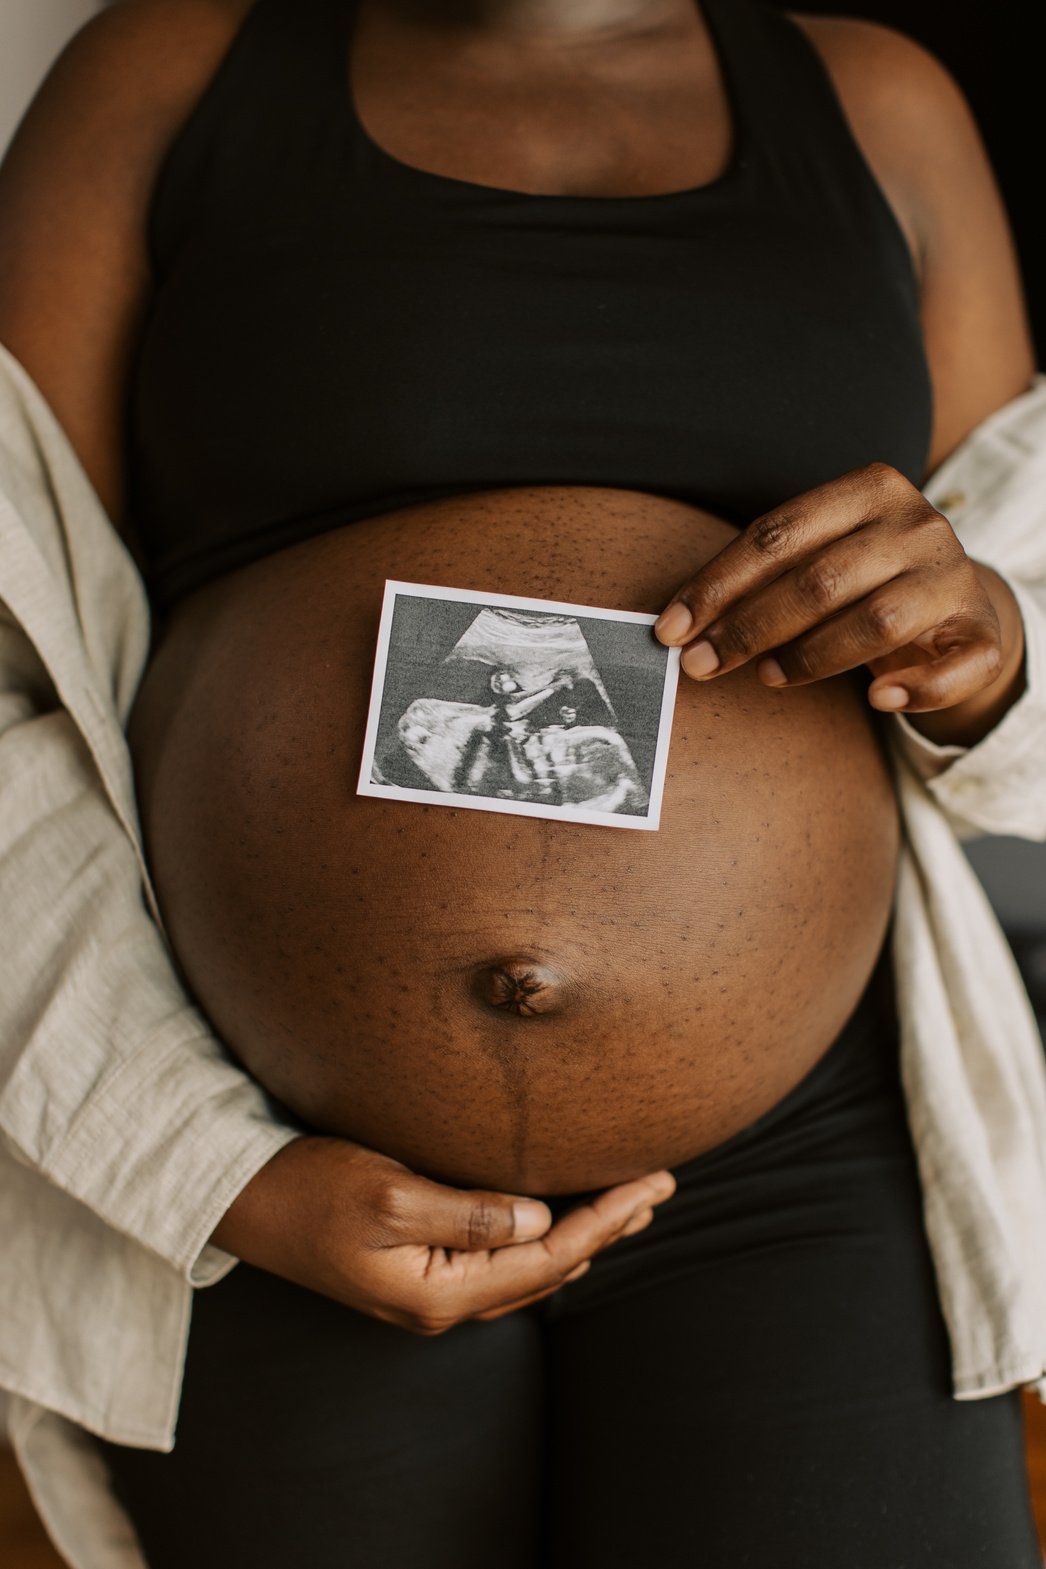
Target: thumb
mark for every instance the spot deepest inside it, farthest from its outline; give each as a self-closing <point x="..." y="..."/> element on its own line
<point x="469" y="1219"/>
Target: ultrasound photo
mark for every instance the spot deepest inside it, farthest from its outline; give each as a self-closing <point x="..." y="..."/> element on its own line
<point x="527" y="706"/>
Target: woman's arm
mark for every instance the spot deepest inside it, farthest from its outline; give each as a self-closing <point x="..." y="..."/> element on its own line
<point x="920" y="137"/>
<point x="862" y="570"/>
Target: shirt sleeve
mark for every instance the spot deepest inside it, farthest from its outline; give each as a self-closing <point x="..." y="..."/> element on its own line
<point x="998" y="785"/>
<point x="112" y="1086"/>
<point x="994" y="490"/>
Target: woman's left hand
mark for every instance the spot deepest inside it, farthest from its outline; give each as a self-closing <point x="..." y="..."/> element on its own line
<point x="859" y="571"/>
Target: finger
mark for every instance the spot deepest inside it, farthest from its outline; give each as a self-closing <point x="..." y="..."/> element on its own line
<point x="784" y="536"/>
<point x="940" y="684"/>
<point x="505" y="1275"/>
<point x="538" y="1296"/>
<point x="819" y="587"/>
<point x="639" y="1222"/>
<point x="469" y="1220"/>
<point x="898" y="614"/>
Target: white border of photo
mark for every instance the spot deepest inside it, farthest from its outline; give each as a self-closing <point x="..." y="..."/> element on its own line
<point x="649" y="819"/>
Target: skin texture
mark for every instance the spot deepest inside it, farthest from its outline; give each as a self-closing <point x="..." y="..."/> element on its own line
<point x="74" y="284"/>
<point x="335" y="939"/>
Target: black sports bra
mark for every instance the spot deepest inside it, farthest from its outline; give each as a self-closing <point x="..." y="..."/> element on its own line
<point x="335" y="333"/>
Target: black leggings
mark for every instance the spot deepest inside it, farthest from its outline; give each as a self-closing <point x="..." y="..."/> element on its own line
<point x="760" y="1380"/>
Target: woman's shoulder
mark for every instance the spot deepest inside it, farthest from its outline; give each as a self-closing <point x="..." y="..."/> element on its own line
<point x="904" y="107"/>
<point x="147" y="56"/>
<point x="139" y="66"/>
<point x="180" y="24"/>
<point x="882" y="68"/>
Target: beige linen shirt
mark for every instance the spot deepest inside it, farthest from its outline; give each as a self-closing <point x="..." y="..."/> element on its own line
<point x="125" y="1130"/>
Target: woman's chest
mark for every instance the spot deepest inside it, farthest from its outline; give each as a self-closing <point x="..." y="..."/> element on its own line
<point x="339" y="370"/>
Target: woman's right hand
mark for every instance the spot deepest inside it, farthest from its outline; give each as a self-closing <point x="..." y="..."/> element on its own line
<point x="357" y="1226"/>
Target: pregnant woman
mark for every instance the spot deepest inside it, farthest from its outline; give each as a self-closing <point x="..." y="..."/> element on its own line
<point x="640" y="304"/>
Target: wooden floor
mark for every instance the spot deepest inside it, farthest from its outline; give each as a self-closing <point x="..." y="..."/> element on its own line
<point x="1035" y="1427"/>
<point x="23" y="1544"/>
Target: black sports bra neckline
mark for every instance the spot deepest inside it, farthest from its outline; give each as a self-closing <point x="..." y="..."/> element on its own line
<point x="738" y="160"/>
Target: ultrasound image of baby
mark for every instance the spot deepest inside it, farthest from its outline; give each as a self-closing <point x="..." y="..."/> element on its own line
<point x="547" y="731"/>
<point x="496" y="702"/>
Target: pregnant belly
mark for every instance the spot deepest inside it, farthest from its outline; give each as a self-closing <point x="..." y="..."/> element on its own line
<point x="533" y="1005"/>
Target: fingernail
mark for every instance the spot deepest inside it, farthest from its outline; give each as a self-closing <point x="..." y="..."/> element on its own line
<point x="530" y="1220"/>
<point x="673" y="623"/>
<point x="664" y="1187"/>
<point x="700" y="660"/>
<point x="891" y="697"/>
<point x="582" y="1269"/>
<point x="770" y="672"/>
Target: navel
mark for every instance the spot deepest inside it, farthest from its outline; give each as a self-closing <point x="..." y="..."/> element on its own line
<point x="521" y="987"/>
